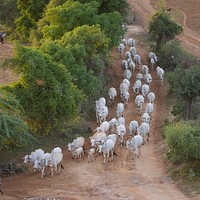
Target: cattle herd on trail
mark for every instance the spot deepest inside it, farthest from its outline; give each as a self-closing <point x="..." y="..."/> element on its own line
<point x="115" y="131"/>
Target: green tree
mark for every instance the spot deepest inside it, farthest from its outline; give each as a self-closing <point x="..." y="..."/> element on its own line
<point x="86" y="63"/>
<point x="185" y="84"/>
<point x="13" y="130"/>
<point x="45" y="90"/>
<point x="64" y="18"/>
<point x="30" y="12"/>
<point x="111" y="24"/>
<point x="106" y="6"/>
<point x="163" y="28"/>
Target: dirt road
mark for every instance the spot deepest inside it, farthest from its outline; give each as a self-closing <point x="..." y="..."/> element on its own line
<point x="125" y="178"/>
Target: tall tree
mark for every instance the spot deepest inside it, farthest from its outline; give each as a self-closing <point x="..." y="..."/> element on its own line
<point x="45" y="90"/>
<point x="162" y="27"/>
<point x="83" y="52"/>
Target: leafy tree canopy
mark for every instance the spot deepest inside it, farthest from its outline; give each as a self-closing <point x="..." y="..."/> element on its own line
<point x="163" y="28"/>
<point x="84" y="62"/>
<point x="66" y="17"/>
<point x="30" y="12"/>
<point x="106" y="6"/>
<point x="45" y="90"/>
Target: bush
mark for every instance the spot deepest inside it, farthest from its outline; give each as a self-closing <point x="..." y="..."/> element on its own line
<point x="172" y="56"/>
<point x="183" y="140"/>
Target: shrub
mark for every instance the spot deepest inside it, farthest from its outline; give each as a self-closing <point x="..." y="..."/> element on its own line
<point x="172" y="56"/>
<point x="183" y="140"/>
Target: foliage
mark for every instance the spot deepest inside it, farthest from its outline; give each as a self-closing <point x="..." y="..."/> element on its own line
<point x="186" y="86"/>
<point x="163" y="28"/>
<point x="30" y="13"/>
<point x="106" y="6"/>
<point x="8" y="13"/>
<point x="111" y="23"/>
<point x="183" y="140"/>
<point x="172" y="56"/>
<point x="63" y="18"/>
<point x="84" y="62"/>
<point x="45" y="90"/>
<point x="13" y="131"/>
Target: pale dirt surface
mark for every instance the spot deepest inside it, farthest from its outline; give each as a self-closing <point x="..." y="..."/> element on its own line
<point x="143" y="178"/>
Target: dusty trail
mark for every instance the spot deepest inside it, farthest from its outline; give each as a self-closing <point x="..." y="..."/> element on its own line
<point x="125" y="178"/>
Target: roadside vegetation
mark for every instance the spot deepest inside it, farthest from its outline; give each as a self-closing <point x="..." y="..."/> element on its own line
<point x="62" y="50"/>
<point x="182" y="136"/>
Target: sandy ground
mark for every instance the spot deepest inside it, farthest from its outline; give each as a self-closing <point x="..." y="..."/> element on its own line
<point x="124" y="178"/>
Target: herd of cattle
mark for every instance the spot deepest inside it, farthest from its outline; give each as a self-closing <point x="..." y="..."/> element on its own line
<point x="115" y="130"/>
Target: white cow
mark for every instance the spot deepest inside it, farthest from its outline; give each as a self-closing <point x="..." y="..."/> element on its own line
<point x="54" y="161"/>
<point x="121" y="131"/>
<point x="124" y="65"/>
<point x="125" y="98"/>
<point x="123" y="89"/>
<point x="133" y="126"/>
<point x="137" y="60"/>
<point x="121" y="48"/>
<point x="78" y="142"/>
<point x="113" y="124"/>
<point x="104" y="127"/>
<point x="151" y="97"/>
<point x="127" y="74"/>
<point x="99" y="104"/>
<point x="144" y="130"/>
<point x="78" y="153"/>
<point x="137" y="86"/>
<point x="112" y="136"/>
<point x="131" y="42"/>
<point x="152" y="59"/>
<point x="34" y="158"/>
<point x="133" y="51"/>
<point x="146" y="117"/>
<point x="98" y="138"/>
<point x="120" y="110"/>
<point x="145" y="69"/>
<point x="131" y="66"/>
<point x="108" y="149"/>
<point x="139" y="101"/>
<point x="124" y="41"/>
<point x="127" y="82"/>
<point x="121" y="120"/>
<point x="103" y="113"/>
<point x="112" y="93"/>
<point x="148" y="79"/>
<point x="160" y="74"/>
<point x="135" y="143"/>
<point x="145" y="90"/>
<point x="44" y="163"/>
<point x="149" y="108"/>
<point x="128" y="55"/>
